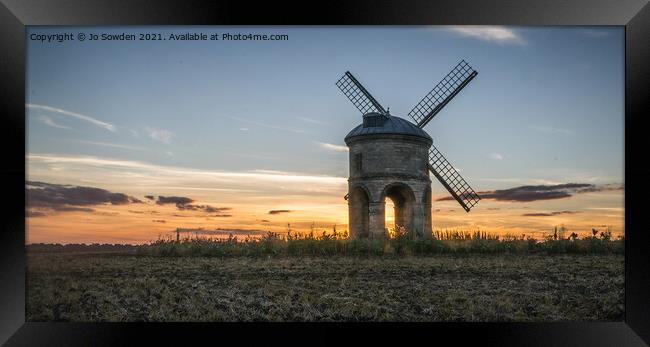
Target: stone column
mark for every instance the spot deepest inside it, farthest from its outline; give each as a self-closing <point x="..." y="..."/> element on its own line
<point x="376" y="220"/>
<point x="417" y="223"/>
<point x="426" y="209"/>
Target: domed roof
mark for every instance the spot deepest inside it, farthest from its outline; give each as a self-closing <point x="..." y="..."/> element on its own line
<point x="387" y="124"/>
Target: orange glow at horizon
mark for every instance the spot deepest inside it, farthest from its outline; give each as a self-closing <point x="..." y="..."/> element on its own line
<point x="297" y="200"/>
<point x="145" y="222"/>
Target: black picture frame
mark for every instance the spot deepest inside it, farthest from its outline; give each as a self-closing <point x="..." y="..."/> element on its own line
<point x="16" y="14"/>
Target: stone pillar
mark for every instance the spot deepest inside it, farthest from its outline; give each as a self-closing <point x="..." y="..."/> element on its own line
<point x="427" y="220"/>
<point x="376" y="220"/>
<point x="421" y="223"/>
<point x="417" y="222"/>
<point x="353" y="222"/>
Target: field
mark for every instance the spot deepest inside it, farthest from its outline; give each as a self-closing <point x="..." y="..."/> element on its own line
<point x="74" y="286"/>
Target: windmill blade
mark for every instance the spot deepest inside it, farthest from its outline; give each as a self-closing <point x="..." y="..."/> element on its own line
<point x="450" y="179"/>
<point x="442" y="93"/>
<point x="358" y="95"/>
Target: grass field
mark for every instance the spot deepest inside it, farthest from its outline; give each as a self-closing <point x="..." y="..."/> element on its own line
<point x="444" y="287"/>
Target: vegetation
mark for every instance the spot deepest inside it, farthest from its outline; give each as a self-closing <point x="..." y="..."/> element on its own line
<point x="397" y="243"/>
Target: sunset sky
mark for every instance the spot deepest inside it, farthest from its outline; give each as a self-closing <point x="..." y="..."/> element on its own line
<point x="128" y="140"/>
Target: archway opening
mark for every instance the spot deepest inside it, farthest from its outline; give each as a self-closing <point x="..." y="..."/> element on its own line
<point x="389" y="217"/>
<point x="399" y="200"/>
<point x="359" y="212"/>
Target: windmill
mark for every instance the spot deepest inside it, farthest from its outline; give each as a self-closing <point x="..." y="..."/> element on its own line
<point x="431" y="104"/>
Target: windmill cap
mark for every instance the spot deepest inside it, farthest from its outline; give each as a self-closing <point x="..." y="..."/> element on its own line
<point x="377" y="123"/>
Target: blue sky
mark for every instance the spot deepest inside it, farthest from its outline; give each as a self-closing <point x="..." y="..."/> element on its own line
<point x="546" y="107"/>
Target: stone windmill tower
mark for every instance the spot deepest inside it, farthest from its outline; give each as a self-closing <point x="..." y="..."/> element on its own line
<point x="391" y="157"/>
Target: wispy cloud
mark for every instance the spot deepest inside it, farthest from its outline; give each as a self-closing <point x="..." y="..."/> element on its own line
<point x="279" y="211"/>
<point x="49" y="121"/>
<point x="107" y="144"/>
<point x="313" y="121"/>
<point x="150" y="197"/>
<point x="161" y="135"/>
<point x="549" y="214"/>
<point x="79" y="116"/>
<point x="497" y="34"/>
<point x="542" y="192"/>
<point x="496" y="156"/>
<point x="226" y="232"/>
<point x="243" y="129"/>
<point x="268" y="126"/>
<point x="332" y="147"/>
<point x="551" y="130"/>
<point x="157" y="176"/>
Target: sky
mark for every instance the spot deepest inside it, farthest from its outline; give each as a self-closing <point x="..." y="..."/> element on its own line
<point x="129" y="140"/>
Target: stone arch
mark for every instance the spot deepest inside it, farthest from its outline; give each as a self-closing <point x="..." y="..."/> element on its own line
<point x="404" y="200"/>
<point x="359" y="206"/>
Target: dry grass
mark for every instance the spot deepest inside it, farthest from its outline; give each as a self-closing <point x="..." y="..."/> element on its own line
<point x="503" y="287"/>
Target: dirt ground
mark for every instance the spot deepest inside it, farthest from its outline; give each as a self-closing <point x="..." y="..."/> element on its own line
<point x="121" y="287"/>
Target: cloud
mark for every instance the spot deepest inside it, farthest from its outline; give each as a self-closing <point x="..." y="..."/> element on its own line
<point x="541" y="192"/>
<point x="150" y="197"/>
<point x="32" y="213"/>
<point x="496" y="156"/>
<point x="331" y="147"/>
<point x="543" y="214"/>
<point x="177" y="200"/>
<point x="225" y="232"/>
<point x="73" y="209"/>
<point x="551" y="130"/>
<point x="151" y="176"/>
<point x="313" y="121"/>
<point x="184" y="204"/>
<point x="107" y="144"/>
<point x="268" y="175"/>
<point x="159" y="221"/>
<point x="161" y="135"/>
<point x="49" y="121"/>
<point x="264" y="125"/>
<point x="82" y="117"/>
<point x="143" y="212"/>
<point x="43" y="197"/>
<point x="243" y="129"/>
<point x="279" y="211"/>
<point x="204" y="208"/>
<point x="182" y="216"/>
<point x="497" y="34"/>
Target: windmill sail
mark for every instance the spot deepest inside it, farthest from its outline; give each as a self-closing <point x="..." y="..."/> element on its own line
<point x="358" y="95"/>
<point x="451" y="180"/>
<point x="442" y="93"/>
